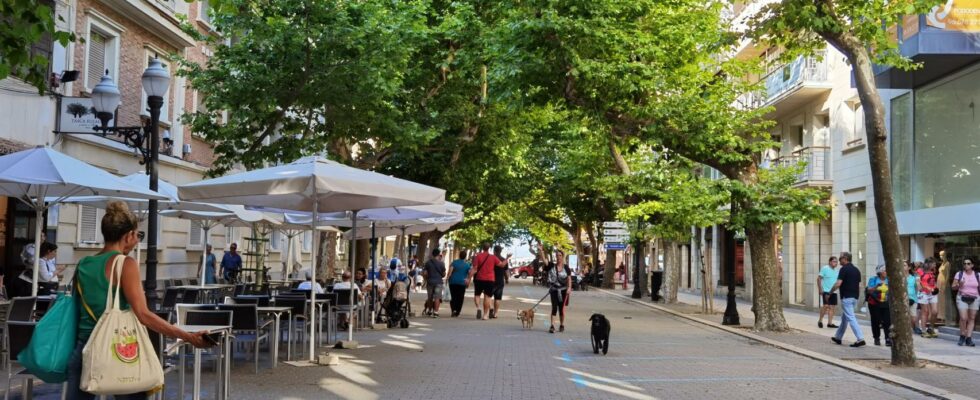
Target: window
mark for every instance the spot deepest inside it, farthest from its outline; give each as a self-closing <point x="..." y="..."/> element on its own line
<point x="204" y="11"/>
<point x="169" y="4"/>
<point x="164" y="111"/>
<point x="858" y="232"/>
<point x="231" y="235"/>
<point x="102" y="49"/>
<point x="307" y="241"/>
<point x="88" y="226"/>
<point x="855" y="135"/>
<point x="901" y="151"/>
<point x="195" y="237"/>
<point x="275" y="243"/>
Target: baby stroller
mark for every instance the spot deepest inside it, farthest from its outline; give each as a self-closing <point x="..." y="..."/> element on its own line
<point x="396" y="304"/>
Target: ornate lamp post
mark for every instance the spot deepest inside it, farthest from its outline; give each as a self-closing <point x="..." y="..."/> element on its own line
<point x="105" y="100"/>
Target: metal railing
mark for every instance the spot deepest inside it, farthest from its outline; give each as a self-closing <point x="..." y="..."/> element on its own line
<point x="817" y="166"/>
<point x="795" y="74"/>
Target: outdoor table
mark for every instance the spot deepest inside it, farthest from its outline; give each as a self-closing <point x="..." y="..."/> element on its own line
<point x="276" y="312"/>
<point x="224" y="368"/>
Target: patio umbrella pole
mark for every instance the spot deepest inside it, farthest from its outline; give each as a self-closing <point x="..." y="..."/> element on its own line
<point x="353" y="252"/>
<point x="313" y="315"/>
<point x="374" y="271"/>
<point x="204" y="254"/>
<point x="38" y="214"/>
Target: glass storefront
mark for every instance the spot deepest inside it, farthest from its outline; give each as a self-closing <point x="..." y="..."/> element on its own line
<point x="938" y="164"/>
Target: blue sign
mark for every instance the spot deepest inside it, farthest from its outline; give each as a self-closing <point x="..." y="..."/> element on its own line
<point x="615" y="246"/>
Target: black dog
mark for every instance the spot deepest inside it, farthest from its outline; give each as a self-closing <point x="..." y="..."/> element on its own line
<point x="600" y="333"/>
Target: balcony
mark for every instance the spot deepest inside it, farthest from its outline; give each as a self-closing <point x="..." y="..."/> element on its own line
<point x="816" y="172"/>
<point x="797" y="83"/>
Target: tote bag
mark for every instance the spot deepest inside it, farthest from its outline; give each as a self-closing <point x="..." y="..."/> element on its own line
<point x="53" y="341"/>
<point x="119" y="357"/>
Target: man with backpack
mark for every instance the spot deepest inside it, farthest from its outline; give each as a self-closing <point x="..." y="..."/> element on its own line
<point x="435" y="274"/>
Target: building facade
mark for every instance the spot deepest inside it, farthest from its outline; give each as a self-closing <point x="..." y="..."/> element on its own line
<point x="118" y="38"/>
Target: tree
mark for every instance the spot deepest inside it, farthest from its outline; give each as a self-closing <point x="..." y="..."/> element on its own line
<point x="27" y="22"/>
<point x="649" y="72"/>
<point x="859" y="29"/>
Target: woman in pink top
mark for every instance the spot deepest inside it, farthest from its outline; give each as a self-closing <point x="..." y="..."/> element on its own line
<point x="966" y="283"/>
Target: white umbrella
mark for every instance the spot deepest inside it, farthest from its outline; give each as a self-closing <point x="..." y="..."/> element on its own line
<point x="407" y="229"/>
<point x="316" y="185"/>
<point x="41" y="176"/>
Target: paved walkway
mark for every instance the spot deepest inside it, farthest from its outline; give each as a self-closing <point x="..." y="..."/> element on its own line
<point x="653" y="355"/>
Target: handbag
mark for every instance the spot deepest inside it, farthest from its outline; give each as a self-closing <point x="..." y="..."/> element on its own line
<point x="49" y="351"/>
<point x="119" y="357"/>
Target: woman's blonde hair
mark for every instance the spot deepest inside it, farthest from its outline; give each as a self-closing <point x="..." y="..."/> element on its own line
<point x="118" y="221"/>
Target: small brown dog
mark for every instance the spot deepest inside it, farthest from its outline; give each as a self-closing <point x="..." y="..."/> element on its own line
<point x="526" y="317"/>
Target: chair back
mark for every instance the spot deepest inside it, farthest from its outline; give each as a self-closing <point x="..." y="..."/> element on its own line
<point x="344" y="297"/>
<point x="245" y="300"/>
<point x="18" y="336"/>
<point x="155" y="338"/>
<point x="190" y="296"/>
<point x="182" y="310"/>
<point x="295" y="284"/>
<point x="170" y="297"/>
<point x="209" y="317"/>
<point x="298" y="304"/>
<point x="194" y="281"/>
<point x="246" y="316"/>
<point x="21" y="309"/>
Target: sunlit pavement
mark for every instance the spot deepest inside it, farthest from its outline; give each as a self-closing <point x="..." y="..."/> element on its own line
<point x="651" y="356"/>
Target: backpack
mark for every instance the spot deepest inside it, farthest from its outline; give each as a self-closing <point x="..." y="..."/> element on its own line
<point x="959" y="276"/>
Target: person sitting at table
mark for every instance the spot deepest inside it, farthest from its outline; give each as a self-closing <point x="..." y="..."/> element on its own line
<point x="382" y="283"/>
<point x="310" y="284"/>
<point x="120" y="232"/>
<point x="231" y="264"/>
<point x="346" y="284"/>
<point x="360" y="277"/>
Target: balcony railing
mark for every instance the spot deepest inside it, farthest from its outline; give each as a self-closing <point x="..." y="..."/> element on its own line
<point x="802" y="71"/>
<point x="817" y="163"/>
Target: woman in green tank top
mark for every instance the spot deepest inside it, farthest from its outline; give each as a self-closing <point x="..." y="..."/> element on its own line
<point x="119" y="229"/>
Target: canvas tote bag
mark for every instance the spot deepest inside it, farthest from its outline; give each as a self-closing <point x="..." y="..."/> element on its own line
<point x="119" y="357"/>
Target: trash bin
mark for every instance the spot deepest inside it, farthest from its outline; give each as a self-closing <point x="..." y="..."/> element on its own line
<point x="658" y="281"/>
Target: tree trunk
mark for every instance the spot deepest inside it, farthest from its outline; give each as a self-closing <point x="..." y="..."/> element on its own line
<point x="594" y="248"/>
<point x="577" y="240"/>
<point x="363" y="254"/>
<point x="672" y="271"/>
<point x="903" y="351"/>
<point x="768" y="305"/>
<point x="327" y="256"/>
<point x="422" y="250"/>
<point x="607" y="275"/>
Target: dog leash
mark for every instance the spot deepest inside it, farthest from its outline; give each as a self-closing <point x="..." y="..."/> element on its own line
<point x="539" y="301"/>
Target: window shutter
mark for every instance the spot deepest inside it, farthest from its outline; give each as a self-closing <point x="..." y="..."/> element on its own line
<point x="276" y="241"/>
<point x="96" y="58"/>
<point x="197" y="233"/>
<point x="88" y="225"/>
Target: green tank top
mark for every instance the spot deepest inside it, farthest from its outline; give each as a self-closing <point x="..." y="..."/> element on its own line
<point x="94" y="284"/>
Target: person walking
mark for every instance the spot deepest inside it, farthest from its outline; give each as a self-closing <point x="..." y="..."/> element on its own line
<point x="209" y="267"/>
<point x="928" y="298"/>
<point x="435" y="275"/>
<point x="231" y="264"/>
<point x="559" y="285"/>
<point x="119" y="230"/>
<point x="911" y="285"/>
<point x="482" y="275"/>
<point x="828" y="299"/>
<point x="500" y="279"/>
<point x="966" y="283"/>
<point x="877" y="295"/>
<point x="459" y="273"/>
<point x="849" y="286"/>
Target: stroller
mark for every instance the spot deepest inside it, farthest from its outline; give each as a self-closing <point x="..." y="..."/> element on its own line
<point x="395" y="304"/>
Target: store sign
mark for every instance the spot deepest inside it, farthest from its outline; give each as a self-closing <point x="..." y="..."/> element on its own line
<point x="78" y="116"/>
<point x="956" y="15"/>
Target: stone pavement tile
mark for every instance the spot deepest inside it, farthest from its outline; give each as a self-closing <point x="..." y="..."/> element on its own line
<point x="653" y="355"/>
<point x="956" y="379"/>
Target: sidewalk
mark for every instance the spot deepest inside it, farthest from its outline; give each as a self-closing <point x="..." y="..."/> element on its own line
<point x="954" y="376"/>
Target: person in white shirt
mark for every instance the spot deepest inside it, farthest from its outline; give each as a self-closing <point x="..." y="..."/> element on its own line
<point x="47" y="272"/>
<point x="309" y="284"/>
<point x="345" y="284"/>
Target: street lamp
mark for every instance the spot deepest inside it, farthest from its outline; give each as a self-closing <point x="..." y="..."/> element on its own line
<point x="105" y="100"/>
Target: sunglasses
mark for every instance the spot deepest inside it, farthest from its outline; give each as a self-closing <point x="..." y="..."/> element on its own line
<point x="141" y="235"/>
<point x="967" y="263"/>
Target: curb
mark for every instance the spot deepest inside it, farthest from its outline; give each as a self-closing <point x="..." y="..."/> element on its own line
<point x="922" y="388"/>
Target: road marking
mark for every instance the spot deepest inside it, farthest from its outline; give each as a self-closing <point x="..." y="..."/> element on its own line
<point x="736" y="379"/>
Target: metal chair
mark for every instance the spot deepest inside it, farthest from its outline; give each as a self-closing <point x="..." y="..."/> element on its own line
<point x="247" y="327"/>
<point x="21" y="309"/>
<point x="190" y="296"/>
<point x="182" y="309"/>
<point x="297" y="315"/>
<point x="342" y="305"/>
<point x="203" y="314"/>
<point x="170" y="298"/>
<point x="18" y="336"/>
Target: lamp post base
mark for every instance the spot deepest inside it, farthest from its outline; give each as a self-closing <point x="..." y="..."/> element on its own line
<point x="731" y="311"/>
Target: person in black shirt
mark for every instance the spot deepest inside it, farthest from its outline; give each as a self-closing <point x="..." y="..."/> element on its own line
<point x="849" y="284"/>
<point x="500" y="279"/>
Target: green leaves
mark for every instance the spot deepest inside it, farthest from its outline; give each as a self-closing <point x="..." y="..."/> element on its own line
<point x="26" y="23"/>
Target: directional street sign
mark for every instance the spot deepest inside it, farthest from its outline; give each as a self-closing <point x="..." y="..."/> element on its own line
<point x="614" y="232"/>
<point x="614" y="225"/>
<point x="615" y="246"/>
